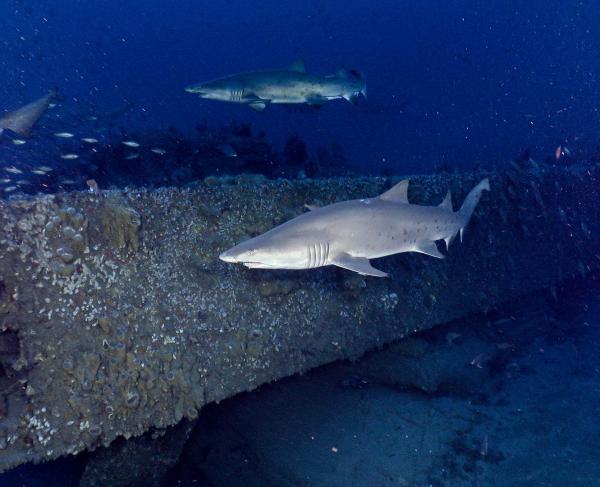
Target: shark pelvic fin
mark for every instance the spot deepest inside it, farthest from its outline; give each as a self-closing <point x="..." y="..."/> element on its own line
<point x="428" y="247"/>
<point x="397" y="193"/>
<point x="258" y="105"/>
<point x="449" y="240"/>
<point x="357" y="264"/>
<point x="447" y="203"/>
<point x="351" y="97"/>
<point x="298" y="66"/>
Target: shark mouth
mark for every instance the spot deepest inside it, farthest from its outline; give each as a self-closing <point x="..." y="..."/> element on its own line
<point x="257" y="265"/>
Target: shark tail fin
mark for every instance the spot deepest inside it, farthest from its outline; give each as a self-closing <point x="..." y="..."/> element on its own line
<point x="468" y="206"/>
<point x="356" y="75"/>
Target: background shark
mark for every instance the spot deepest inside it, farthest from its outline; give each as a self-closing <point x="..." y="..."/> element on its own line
<point x="349" y="233"/>
<point x="23" y="119"/>
<point x="289" y="86"/>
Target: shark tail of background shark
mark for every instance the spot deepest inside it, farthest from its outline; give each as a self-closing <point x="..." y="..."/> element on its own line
<point x="468" y="206"/>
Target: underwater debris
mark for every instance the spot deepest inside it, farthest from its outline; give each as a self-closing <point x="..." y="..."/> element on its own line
<point x="172" y="337"/>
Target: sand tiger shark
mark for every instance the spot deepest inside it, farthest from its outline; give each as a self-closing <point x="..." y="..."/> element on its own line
<point x="288" y="86"/>
<point x="23" y="119"/>
<point x="349" y="233"/>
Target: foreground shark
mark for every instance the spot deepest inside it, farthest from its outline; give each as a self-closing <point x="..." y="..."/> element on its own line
<point x="349" y="233"/>
<point x="290" y="86"/>
<point x="21" y="120"/>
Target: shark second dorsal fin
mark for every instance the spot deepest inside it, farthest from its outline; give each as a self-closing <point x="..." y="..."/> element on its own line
<point x="447" y="202"/>
<point x="397" y="193"/>
<point x="298" y="66"/>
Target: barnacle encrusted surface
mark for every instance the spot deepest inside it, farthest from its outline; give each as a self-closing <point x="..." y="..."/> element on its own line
<point x="117" y="315"/>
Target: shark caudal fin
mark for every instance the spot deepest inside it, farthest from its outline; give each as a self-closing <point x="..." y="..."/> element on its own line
<point x="466" y="210"/>
<point x="356" y="76"/>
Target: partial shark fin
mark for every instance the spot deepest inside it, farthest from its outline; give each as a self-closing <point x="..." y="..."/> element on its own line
<point x="351" y="97"/>
<point x="449" y="240"/>
<point x="316" y="100"/>
<point x="397" y="193"/>
<point x="357" y="264"/>
<point x="298" y="66"/>
<point x="428" y="247"/>
<point x="258" y="105"/>
<point x="466" y="210"/>
<point x="447" y="203"/>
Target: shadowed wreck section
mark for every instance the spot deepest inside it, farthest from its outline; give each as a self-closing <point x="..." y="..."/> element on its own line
<point x="117" y="315"/>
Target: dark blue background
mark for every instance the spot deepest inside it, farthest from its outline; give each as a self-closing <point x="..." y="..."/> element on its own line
<point x="448" y="81"/>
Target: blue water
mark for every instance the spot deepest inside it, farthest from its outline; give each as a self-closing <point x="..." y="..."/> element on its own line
<point x="451" y="85"/>
<point x="457" y="82"/>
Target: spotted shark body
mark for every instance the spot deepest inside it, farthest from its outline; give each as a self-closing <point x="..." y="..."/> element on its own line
<point x="350" y="233"/>
<point x="286" y="86"/>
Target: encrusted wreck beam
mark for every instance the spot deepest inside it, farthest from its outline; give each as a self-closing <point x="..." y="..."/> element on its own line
<point x="117" y="315"/>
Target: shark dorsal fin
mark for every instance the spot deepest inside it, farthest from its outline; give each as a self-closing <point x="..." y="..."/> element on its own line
<point x="298" y="66"/>
<point x="447" y="203"/>
<point x="397" y="193"/>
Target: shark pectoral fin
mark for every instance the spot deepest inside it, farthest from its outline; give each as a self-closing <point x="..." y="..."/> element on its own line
<point x="258" y="105"/>
<point x="428" y="247"/>
<point x="357" y="264"/>
<point x="316" y="100"/>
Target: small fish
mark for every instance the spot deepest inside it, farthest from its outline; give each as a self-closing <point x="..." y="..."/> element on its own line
<point x="44" y="168"/>
<point x="5" y="180"/>
<point x="22" y="182"/>
<point x="89" y="140"/>
<point x="67" y="181"/>
<point x="227" y="150"/>
<point x="159" y="151"/>
<point x="69" y="157"/>
<point x="13" y="170"/>
<point x="9" y="189"/>
<point x="130" y="143"/>
<point x="63" y="135"/>
<point x="19" y="141"/>
<point x="38" y="172"/>
<point x="558" y="153"/>
<point x="132" y="156"/>
<point x="92" y="118"/>
<point x="480" y="360"/>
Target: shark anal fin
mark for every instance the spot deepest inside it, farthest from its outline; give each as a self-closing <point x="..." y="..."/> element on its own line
<point x="360" y="265"/>
<point x="428" y="247"/>
<point x="397" y="193"/>
<point x="258" y="105"/>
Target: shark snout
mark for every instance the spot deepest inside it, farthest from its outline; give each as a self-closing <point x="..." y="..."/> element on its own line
<point x="227" y="257"/>
<point x="196" y="89"/>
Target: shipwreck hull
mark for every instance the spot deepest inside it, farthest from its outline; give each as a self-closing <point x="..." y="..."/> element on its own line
<point x="117" y="315"/>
